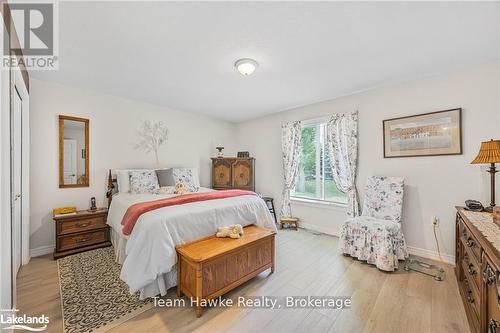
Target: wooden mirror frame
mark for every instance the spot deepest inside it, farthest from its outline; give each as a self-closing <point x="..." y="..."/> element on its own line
<point x="61" y="152"/>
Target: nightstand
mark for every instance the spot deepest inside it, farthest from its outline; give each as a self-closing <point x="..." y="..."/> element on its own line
<point x="81" y="231"/>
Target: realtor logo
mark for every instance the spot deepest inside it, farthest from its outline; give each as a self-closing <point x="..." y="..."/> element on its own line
<point x="37" y="32"/>
<point x="9" y="321"/>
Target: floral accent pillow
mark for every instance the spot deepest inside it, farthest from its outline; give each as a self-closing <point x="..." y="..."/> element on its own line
<point x="143" y="181"/>
<point x="186" y="176"/>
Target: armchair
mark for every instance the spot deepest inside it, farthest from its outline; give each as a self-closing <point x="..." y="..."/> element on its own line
<point x="376" y="236"/>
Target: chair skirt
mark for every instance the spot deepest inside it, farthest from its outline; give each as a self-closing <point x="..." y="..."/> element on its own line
<point x="378" y="242"/>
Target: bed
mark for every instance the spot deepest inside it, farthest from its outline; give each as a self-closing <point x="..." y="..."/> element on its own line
<point x="148" y="255"/>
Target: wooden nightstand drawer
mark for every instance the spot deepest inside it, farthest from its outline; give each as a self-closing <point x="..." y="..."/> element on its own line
<point x="69" y="227"/>
<point x="79" y="240"/>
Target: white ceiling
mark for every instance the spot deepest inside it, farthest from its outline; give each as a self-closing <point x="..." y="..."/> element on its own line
<point x="181" y="55"/>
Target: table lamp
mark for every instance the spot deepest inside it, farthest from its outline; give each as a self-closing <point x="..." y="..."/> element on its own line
<point x="489" y="153"/>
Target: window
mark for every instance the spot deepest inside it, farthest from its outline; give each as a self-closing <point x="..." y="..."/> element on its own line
<point x="314" y="179"/>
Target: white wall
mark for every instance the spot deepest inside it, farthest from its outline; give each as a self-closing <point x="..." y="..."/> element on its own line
<point x="434" y="185"/>
<point x="113" y="125"/>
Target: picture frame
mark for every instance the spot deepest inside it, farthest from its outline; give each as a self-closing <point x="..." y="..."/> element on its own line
<point x="428" y="134"/>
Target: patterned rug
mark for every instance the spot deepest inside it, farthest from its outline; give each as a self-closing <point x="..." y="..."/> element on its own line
<point x="93" y="297"/>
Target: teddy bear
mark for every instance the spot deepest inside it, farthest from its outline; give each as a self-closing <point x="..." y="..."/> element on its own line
<point x="232" y="231"/>
<point x="180" y="188"/>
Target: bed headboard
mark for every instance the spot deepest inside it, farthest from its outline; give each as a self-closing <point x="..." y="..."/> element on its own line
<point x="112" y="186"/>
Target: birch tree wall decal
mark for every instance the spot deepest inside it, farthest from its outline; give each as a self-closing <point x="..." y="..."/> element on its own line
<point x="151" y="137"/>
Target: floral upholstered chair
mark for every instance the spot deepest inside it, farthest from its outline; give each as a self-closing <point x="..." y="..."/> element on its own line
<point x="376" y="236"/>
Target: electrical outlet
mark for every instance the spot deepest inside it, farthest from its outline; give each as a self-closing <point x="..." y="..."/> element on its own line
<point x="435" y="221"/>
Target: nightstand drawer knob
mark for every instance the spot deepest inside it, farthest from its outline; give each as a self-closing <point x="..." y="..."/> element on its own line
<point x="83" y="239"/>
<point x="82" y="225"/>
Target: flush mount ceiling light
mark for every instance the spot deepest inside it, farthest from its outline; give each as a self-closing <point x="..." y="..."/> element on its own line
<point x="246" y="66"/>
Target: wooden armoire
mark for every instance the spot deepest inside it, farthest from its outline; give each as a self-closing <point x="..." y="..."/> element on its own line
<point x="233" y="173"/>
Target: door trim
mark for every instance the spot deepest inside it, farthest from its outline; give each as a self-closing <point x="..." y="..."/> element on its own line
<point x="18" y="84"/>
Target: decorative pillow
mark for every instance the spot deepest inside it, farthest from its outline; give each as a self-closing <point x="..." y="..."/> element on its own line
<point x="144" y="181"/>
<point x="165" y="177"/>
<point x="123" y="179"/>
<point x="188" y="176"/>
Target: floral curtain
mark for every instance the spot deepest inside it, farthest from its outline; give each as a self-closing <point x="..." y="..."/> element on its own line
<point x="342" y="144"/>
<point x="290" y="143"/>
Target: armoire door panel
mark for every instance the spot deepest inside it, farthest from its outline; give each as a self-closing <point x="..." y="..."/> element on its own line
<point x="242" y="174"/>
<point x="221" y="173"/>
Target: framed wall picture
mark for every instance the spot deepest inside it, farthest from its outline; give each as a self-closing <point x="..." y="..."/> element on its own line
<point x="427" y="134"/>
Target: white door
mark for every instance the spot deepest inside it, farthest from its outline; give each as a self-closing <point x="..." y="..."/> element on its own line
<point x="70" y="159"/>
<point x="17" y="190"/>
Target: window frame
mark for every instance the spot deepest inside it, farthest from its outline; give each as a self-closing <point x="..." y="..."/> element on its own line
<point x="320" y="141"/>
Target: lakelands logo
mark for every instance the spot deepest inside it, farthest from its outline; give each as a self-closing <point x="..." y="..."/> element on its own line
<point x="36" y="24"/>
<point x="9" y="321"/>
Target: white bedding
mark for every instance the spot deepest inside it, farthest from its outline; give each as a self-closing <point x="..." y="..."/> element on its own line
<point x="149" y="256"/>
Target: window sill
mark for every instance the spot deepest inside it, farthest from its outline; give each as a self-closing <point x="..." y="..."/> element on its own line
<point x="320" y="204"/>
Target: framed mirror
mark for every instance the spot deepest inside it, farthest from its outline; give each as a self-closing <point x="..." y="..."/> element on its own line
<point x="73" y="152"/>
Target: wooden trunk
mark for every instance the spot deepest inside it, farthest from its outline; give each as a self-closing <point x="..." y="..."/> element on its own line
<point x="233" y="172"/>
<point x="477" y="271"/>
<point x="212" y="266"/>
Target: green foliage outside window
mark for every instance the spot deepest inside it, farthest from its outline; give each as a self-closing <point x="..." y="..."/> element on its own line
<point x="315" y="180"/>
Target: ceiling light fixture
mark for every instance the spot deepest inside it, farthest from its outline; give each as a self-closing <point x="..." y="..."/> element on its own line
<point x="246" y="66"/>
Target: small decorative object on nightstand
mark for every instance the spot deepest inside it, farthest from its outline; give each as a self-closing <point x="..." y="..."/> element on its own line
<point x="81" y="231"/>
<point x="93" y="206"/>
<point x="270" y="205"/>
<point x="289" y="222"/>
<point x="489" y="153"/>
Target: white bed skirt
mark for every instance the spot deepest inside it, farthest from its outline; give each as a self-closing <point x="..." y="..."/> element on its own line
<point x="160" y="285"/>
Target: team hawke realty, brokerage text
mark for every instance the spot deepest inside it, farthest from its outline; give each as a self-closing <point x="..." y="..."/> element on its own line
<point x="269" y="302"/>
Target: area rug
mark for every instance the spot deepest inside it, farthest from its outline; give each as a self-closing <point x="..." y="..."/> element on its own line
<point x="93" y="297"/>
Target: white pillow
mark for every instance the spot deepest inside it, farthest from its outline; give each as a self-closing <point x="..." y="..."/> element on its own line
<point x="144" y="181"/>
<point x="123" y="179"/>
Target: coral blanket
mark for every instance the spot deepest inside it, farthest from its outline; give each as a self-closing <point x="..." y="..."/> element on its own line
<point x="136" y="210"/>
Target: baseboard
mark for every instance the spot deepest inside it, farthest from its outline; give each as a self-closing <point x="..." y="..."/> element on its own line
<point x="324" y="230"/>
<point x="433" y="255"/>
<point x="42" y="250"/>
<point x="424" y="253"/>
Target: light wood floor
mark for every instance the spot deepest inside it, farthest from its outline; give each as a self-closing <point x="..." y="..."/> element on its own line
<point x="307" y="264"/>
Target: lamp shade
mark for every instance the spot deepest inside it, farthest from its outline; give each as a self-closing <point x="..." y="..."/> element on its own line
<point x="488" y="153"/>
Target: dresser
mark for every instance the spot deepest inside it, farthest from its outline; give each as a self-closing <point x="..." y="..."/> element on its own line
<point x="233" y="173"/>
<point x="478" y="269"/>
<point x="81" y="231"/>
